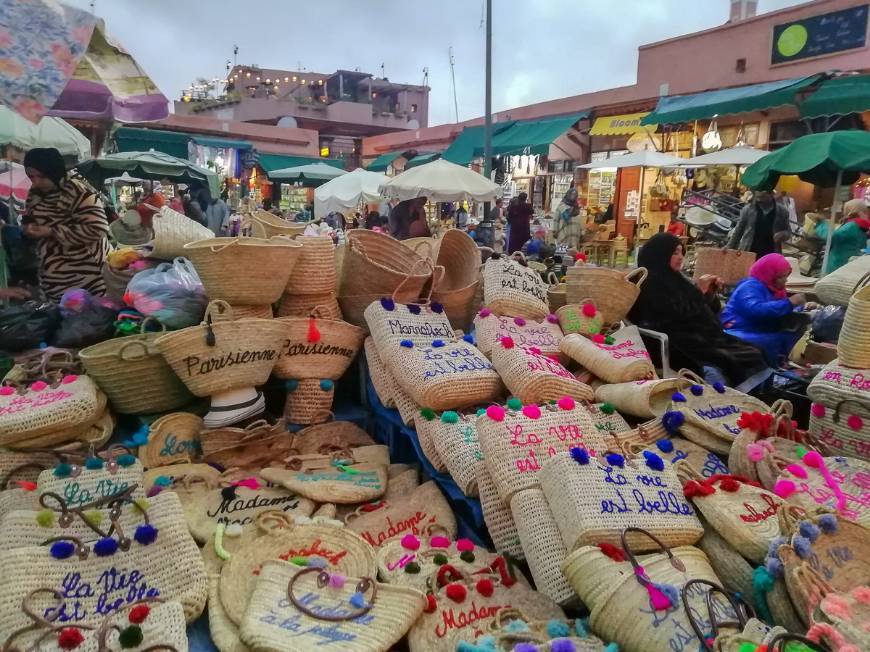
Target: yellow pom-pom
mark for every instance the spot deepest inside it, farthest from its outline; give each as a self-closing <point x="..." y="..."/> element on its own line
<point x="45" y="518"/>
<point x="142" y="504"/>
<point x="94" y="517"/>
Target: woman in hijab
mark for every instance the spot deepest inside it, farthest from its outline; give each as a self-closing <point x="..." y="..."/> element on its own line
<point x="760" y="311"/>
<point x="66" y="218"/>
<point x="567" y="225"/>
<point x="672" y="304"/>
<point x="519" y="217"/>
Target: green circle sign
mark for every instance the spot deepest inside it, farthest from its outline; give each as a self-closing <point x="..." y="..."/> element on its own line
<point x="792" y="40"/>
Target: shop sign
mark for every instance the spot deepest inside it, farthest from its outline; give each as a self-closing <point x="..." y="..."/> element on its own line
<point x="816" y="36"/>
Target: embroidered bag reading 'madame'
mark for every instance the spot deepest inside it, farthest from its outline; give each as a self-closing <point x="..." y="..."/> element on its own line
<point x="533" y="376"/>
<point x="511" y="288"/>
<point x="490" y="329"/>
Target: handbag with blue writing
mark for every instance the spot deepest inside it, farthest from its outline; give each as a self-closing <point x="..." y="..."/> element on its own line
<point x="172" y="438"/>
<point x="593" y="499"/>
<point x="675" y="449"/>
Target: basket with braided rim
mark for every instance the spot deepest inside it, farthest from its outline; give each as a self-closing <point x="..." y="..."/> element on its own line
<point x="265" y="225"/>
<point x="317" y="347"/>
<point x="490" y="328"/>
<point x="378" y="264"/>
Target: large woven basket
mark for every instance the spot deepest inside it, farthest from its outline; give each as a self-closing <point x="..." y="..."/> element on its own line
<point x="375" y="263"/>
<point x="838" y="287"/>
<point x="172" y="231"/>
<point x="244" y="271"/>
<point x="533" y="377"/>
<point x="511" y="288"/>
<point x="314" y="272"/>
<point x="217" y="356"/>
<point x="490" y="329"/>
<point x="731" y="265"/>
<point x="381" y="378"/>
<point x="557" y="292"/>
<point x="134" y="375"/>
<point x="639" y="398"/>
<point x="318" y="347"/>
<point x="843" y="429"/>
<point x="613" y="292"/>
<point x="497" y="515"/>
<point x="456" y="290"/>
<point x="301" y="305"/>
<point x="309" y="400"/>
<point x="619" y="358"/>
<point x="265" y="225"/>
<point x="853" y="346"/>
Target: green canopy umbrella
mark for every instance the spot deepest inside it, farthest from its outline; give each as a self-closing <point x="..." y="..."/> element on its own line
<point x="146" y="165"/>
<point x="310" y="172"/>
<point x="828" y="160"/>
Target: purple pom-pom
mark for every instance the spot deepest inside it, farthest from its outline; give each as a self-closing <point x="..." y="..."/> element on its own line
<point x="105" y="547"/>
<point x="525" y="647"/>
<point x="802" y="547"/>
<point x="408" y="344"/>
<point x="437" y="343"/>
<point x="145" y="534"/>
<point x="697" y="390"/>
<point x="413" y="308"/>
<point x="678" y="397"/>
<point x="615" y="459"/>
<point x="653" y="461"/>
<point x="468" y="338"/>
<point x="673" y="421"/>
<point x="580" y="455"/>
<point x="553" y="319"/>
<point x="719" y="387"/>
<point x="828" y="523"/>
<point x="809" y="530"/>
<point x="437" y="307"/>
<point x="388" y="304"/>
<point x="62" y="549"/>
<point x="665" y="445"/>
<point x="773" y="548"/>
<point x="561" y="645"/>
<point x="153" y="491"/>
<point x="773" y="567"/>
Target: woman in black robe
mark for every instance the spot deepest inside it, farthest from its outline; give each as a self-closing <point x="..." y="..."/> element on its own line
<point x="672" y="304"/>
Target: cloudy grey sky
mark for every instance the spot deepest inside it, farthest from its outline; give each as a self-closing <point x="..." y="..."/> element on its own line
<point x="543" y="49"/>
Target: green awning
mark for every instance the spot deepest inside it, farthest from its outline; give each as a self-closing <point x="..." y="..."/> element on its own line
<point x="728" y="101"/>
<point x="531" y="137"/>
<point x="838" y="96"/>
<point x="272" y="162"/>
<point x="226" y="143"/>
<point x="462" y="150"/>
<point x="131" y="139"/>
<point x="421" y="158"/>
<point x="382" y="162"/>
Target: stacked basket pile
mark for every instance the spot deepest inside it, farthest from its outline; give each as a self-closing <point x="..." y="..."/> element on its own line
<point x="313" y="282"/>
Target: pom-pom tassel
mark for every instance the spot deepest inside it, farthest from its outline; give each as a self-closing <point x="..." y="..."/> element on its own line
<point x="313" y="333"/>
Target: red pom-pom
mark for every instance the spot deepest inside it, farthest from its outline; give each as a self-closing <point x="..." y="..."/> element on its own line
<point x="313" y="333"/>
<point x="566" y="403"/>
<point x="730" y="485"/>
<point x="580" y="256"/>
<point x="456" y="592"/>
<point x="484" y="587"/>
<point x="26" y="485"/>
<point x="507" y="342"/>
<point x="431" y="604"/>
<point x="616" y="554"/>
<point x="69" y="638"/>
<point x="589" y="310"/>
<point x="139" y="613"/>
<point x="694" y="488"/>
<point x="598" y="339"/>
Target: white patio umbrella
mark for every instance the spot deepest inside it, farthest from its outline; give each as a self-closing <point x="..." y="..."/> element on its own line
<point x="440" y="181"/>
<point x="644" y="159"/>
<point x="743" y="155"/>
<point x="310" y="172"/>
<point x="49" y="132"/>
<point x="347" y="191"/>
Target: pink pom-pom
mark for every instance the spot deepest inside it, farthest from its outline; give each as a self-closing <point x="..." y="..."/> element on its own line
<point x="784" y="488"/>
<point x="507" y="342"/>
<point x="862" y="594"/>
<point x="485" y="312"/>
<point x="7" y="390"/>
<point x="855" y="422"/>
<point x="495" y="412"/>
<point x="71" y="378"/>
<point x="553" y="319"/>
<point x="519" y="321"/>
<point x="465" y="545"/>
<point x="532" y="411"/>
<point x="837" y="606"/>
<point x="598" y="339"/>
<point x="797" y="470"/>
<point x="658" y="599"/>
<point x="813" y="459"/>
<point x="817" y="410"/>
<point x="566" y="403"/>
<point x="439" y="542"/>
<point x="38" y="386"/>
<point x="755" y="452"/>
<point x="589" y="310"/>
<point x="410" y="542"/>
<point x="336" y="580"/>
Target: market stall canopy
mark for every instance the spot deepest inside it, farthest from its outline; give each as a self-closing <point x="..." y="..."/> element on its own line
<point x="440" y="180"/>
<point x="147" y="165"/>
<point x="310" y="172"/>
<point x="220" y="143"/>
<point x="838" y="96"/>
<point x="743" y="155"/>
<point x="382" y="162"/>
<point x="645" y="159"/>
<point x="621" y="125"/>
<point x="347" y="191"/>
<point x="531" y="137"/>
<point x="728" y="101"/>
<point x="124" y="179"/>
<point x="48" y="132"/>
<point x="131" y="139"/>
<point x="13" y="181"/>
<point x="272" y="162"/>
<point x="470" y="140"/>
<point x="422" y="158"/>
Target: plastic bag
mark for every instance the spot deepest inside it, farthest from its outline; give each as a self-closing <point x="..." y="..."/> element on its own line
<point x="27" y="325"/>
<point x="827" y="323"/>
<point x="85" y="320"/>
<point x="171" y="292"/>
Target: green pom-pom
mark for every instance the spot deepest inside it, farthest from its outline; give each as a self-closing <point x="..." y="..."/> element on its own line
<point x="467" y="556"/>
<point x="747" y="647"/>
<point x="142" y="504"/>
<point x="94" y="517"/>
<point x="63" y="470"/>
<point x="609" y="340"/>
<point x="801" y="451"/>
<point x="131" y="636"/>
<point x="299" y="561"/>
<point x="440" y="559"/>
<point x="412" y="567"/>
<point x="607" y="408"/>
<point x="94" y="463"/>
<point x="427" y="413"/>
<point x="481" y="411"/>
<point x="45" y="517"/>
<point x="450" y="417"/>
<point x="515" y="404"/>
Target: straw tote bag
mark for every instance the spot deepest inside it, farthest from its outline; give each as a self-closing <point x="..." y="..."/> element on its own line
<point x="836" y="382"/>
<point x="262" y="224"/>
<point x="417" y="513"/>
<point x="317" y="347"/>
<point x="607" y="420"/>
<point x="326" y="607"/>
<point x="172" y="438"/>
<point x="301" y="305"/>
<point x="382" y="381"/>
<point x="744" y="514"/>
<point x="157" y="559"/>
<point x="731" y="265"/>
<point x="330" y="437"/>
<point x="841" y="619"/>
<point x="594" y="499"/>
<point x="636" y="601"/>
<point x="491" y="329"/>
<point x="843" y="428"/>
<point x="133" y="374"/>
<point x="643" y="398"/>
<point x="345" y="477"/>
<point x="511" y="629"/>
<point x="97" y="478"/>
<point x="314" y="272"/>
<point x="677" y="449"/>
<point x="460" y="605"/>
<point x="497" y="515"/>
<point x="458" y="254"/>
<point x="377" y="264"/>
<point x="838" y="287"/>
<point x="221" y="353"/>
<point x="430" y="427"/>
<point x="454" y="438"/>
<point x="534" y="377"/>
<point x="853" y="345"/>
<point x="617" y="358"/>
<point x="511" y="288"/>
<point x="613" y="292"/>
<point x="253" y="446"/>
<point x="516" y="440"/>
<point x="172" y="231"/>
<point x="309" y="400"/>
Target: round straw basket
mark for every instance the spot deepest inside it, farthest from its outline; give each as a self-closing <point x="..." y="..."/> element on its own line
<point x="247" y="271"/>
<point x="640" y="398"/>
<point x="309" y="401"/>
<point x="218" y="356"/>
<point x="353" y="307"/>
<point x="853" y="347"/>
<point x="265" y="225"/>
<point x="314" y="272"/>
<point x="497" y="515"/>
<point x="838" y="287"/>
<point x="134" y="375"/>
<point x="612" y="291"/>
<point x="317" y="347"/>
<point x="253" y="312"/>
<point x="460" y="257"/>
<point x="459" y="305"/>
<point x="375" y="263"/>
<point x="172" y="231"/>
<point x="301" y="305"/>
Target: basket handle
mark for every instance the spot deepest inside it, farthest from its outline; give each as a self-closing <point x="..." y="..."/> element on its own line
<point x="273" y="519"/>
<point x="740" y="610"/>
<point x="258" y="229"/>
<point x="364" y="585"/>
<point x="639" y="273"/>
<point x="864" y="280"/>
<point x="4" y="483"/>
<point x="841" y="403"/>
<point x="154" y="320"/>
<point x="428" y="243"/>
<point x="320" y="311"/>
<point x="143" y="350"/>
<point x="552" y="279"/>
<point x="688" y="374"/>
<point x="675" y="561"/>
<point x="519" y="256"/>
<point x="417" y="263"/>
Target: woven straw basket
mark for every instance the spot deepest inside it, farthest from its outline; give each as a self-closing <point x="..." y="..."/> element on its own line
<point x="593" y="502"/>
<point x="314" y="272"/>
<point x="845" y="429"/>
<point x="245" y="271"/>
<point x="579" y="319"/>
<point x="317" y="347"/>
<point x="533" y="377"/>
<point x="286" y="593"/>
<point x="172" y="231"/>
<point x="309" y="401"/>
<point x="613" y="292"/>
<point x="620" y="358"/>
<point x="681" y="450"/>
<point x="639" y="398"/>
<point x="458" y="448"/>
<point x="490" y="329"/>
<point x="511" y="288"/>
<point x="430" y="428"/>
<point x="853" y="346"/>
<point x="381" y="379"/>
<point x="542" y="544"/>
<point x="252" y="447"/>
<point x="263" y="224"/>
<point x="539" y="635"/>
<point x="497" y="515"/>
<point x="301" y="305"/>
<point x="834" y="625"/>
<point x="836" y="382"/>
<point x="217" y="356"/>
<point x="731" y="265"/>
<point x="408" y="408"/>
<point x="375" y="263"/>
<point x="133" y="374"/>
<point x="838" y="287"/>
<point x="172" y="438"/>
<point x="556" y="293"/>
<point x="392" y="323"/>
<point x="89" y="485"/>
<point x="253" y="312"/>
<point x="608" y="421"/>
<point x="329" y="437"/>
<point x="459" y="256"/>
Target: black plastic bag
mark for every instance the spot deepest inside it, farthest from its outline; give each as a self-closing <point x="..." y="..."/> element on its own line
<point x="78" y="330"/>
<point x="827" y="323"/>
<point x="27" y="325"/>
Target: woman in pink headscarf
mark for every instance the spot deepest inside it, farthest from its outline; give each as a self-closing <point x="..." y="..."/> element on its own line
<point x="760" y="311"/>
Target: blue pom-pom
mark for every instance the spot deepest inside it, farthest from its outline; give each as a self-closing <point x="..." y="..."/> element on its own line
<point x="773" y="567"/>
<point x="62" y="549"/>
<point x="105" y="547"/>
<point x="515" y="626"/>
<point x="437" y="307"/>
<point x="63" y="470"/>
<point x="437" y="343"/>
<point x="673" y="421"/>
<point x="93" y="463"/>
<point x="317" y="562"/>
<point x="828" y="523"/>
<point x="665" y="445"/>
<point x="653" y="461"/>
<point x="408" y="344"/>
<point x="615" y="459"/>
<point x="291" y="385"/>
<point x="697" y="390"/>
<point x="678" y="397"/>
<point x="145" y="534"/>
<point x="581" y="627"/>
<point x="670" y="591"/>
<point x="326" y="384"/>
<point x="762" y="581"/>
<point x="388" y="304"/>
<point x="413" y="308"/>
<point x="775" y="543"/>
<point x="802" y="547"/>
<point x="557" y="629"/>
<point x="139" y="438"/>
<point x="525" y="647"/>
<point x="809" y="530"/>
<point x="468" y="338"/>
<point x="358" y="600"/>
<point x="612" y="647"/>
<point x="126" y="459"/>
<point x="719" y="387"/>
<point x="580" y="455"/>
<point x="562" y="645"/>
<point x="163" y="481"/>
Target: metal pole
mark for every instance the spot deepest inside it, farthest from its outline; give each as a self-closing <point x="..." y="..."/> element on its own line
<point x="487" y="129"/>
<point x="833" y="223"/>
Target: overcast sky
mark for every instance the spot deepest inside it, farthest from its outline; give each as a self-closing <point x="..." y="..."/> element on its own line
<point x="543" y="49"/>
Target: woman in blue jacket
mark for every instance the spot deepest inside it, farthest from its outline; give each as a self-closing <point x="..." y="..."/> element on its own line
<point x="761" y="313"/>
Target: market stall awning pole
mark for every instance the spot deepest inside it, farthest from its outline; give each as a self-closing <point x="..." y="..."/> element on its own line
<point x="834" y="210"/>
<point x="487" y="130"/>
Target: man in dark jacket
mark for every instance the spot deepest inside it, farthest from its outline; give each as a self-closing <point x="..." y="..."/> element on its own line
<point x="763" y="226"/>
